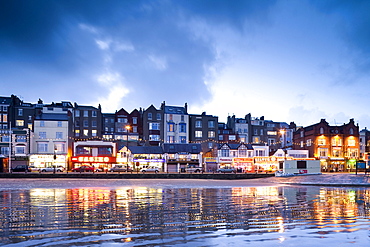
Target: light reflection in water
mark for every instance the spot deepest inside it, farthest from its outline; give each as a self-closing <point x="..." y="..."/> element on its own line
<point x="184" y="216"/>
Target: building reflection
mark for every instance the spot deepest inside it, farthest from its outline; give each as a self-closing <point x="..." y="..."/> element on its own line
<point x="129" y="210"/>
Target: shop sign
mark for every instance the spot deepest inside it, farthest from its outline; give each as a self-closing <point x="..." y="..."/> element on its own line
<point x="93" y="159"/>
<point x="47" y="158"/>
<point x="268" y="159"/>
<point x="210" y="160"/>
<point x="148" y="160"/>
<point x="225" y="160"/>
<point x="243" y="160"/>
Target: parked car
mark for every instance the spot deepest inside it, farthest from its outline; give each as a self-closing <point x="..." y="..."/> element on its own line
<point x="33" y="168"/>
<point x="86" y="168"/>
<point x="21" y="168"/>
<point x="150" y="169"/>
<point x="51" y="169"/>
<point x="226" y="170"/>
<point x="120" y="168"/>
<point x="194" y="169"/>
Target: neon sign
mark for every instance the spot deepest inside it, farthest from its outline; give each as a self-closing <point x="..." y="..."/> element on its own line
<point x="93" y="159"/>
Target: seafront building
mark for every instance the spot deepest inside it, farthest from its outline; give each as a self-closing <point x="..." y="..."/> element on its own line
<point x="71" y="135"/>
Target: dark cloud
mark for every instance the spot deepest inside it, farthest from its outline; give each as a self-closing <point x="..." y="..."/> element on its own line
<point x="354" y="25"/>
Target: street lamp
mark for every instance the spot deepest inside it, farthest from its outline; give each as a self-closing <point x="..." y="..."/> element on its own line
<point x="127" y="127"/>
<point x="55" y="156"/>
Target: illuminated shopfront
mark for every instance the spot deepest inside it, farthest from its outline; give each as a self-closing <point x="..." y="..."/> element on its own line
<point x="266" y="164"/>
<point x="47" y="160"/>
<point x="101" y="162"/>
<point x="243" y="164"/>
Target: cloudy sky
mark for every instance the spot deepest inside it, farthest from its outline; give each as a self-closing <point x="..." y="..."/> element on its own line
<point x="286" y="60"/>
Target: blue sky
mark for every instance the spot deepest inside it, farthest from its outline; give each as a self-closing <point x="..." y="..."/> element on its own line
<point x="286" y="60"/>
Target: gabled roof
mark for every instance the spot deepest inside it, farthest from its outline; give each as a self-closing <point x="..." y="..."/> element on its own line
<point x="235" y="145"/>
<point x="145" y="149"/>
<point x="172" y="148"/>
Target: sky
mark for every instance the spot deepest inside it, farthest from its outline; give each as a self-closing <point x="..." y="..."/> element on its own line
<point x="286" y="60"/>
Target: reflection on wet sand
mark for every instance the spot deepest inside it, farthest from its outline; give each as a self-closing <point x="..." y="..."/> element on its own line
<point x="156" y="216"/>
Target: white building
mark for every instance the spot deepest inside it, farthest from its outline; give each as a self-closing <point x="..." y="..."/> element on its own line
<point x="176" y="124"/>
<point x="51" y="140"/>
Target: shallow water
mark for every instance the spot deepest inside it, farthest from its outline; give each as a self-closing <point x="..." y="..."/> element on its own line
<point x="185" y="213"/>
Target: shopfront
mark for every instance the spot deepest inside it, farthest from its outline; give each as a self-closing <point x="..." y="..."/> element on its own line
<point x="243" y="164"/>
<point x="48" y="160"/>
<point x="210" y="164"/>
<point x="144" y="163"/>
<point x="225" y="162"/>
<point x="102" y="162"/>
<point x="266" y="164"/>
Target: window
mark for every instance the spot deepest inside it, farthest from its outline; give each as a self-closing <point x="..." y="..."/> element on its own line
<point x="150" y="116"/>
<point x="20" y="112"/>
<point x="336" y="141"/>
<point x="59" y="135"/>
<point x="309" y="142"/>
<point x="210" y="145"/>
<point x="20" y="138"/>
<point x="112" y="129"/>
<point x="42" y="147"/>
<point x="232" y="137"/>
<point x="171" y="139"/>
<point x="211" y="124"/>
<point x="153" y="126"/>
<point x="29" y="117"/>
<point x="198" y="124"/>
<point x="94" y="123"/>
<point x="77" y="132"/>
<point x="20" y="149"/>
<point x="255" y="132"/>
<point x="106" y="129"/>
<point x="301" y="164"/>
<point x="60" y="124"/>
<point x="5" y="138"/>
<point x="154" y="138"/>
<point x="94" y="114"/>
<point x="5" y="150"/>
<point x="86" y="113"/>
<point x="42" y="123"/>
<point x="271" y="142"/>
<point x="86" y="132"/>
<point x="323" y="152"/>
<point x="211" y="134"/>
<point x="134" y="129"/>
<point x="302" y="133"/>
<point x="134" y="120"/>
<point x="42" y="135"/>
<point x="182" y="127"/>
<point x="261" y="132"/>
<point x="351" y="131"/>
<point x="182" y="139"/>
<point x="93" y="132"/>
<point x="19" y="122"/>
<point x="198" y="134"/>
<point x="86" y="123"/>
<point x="225" y="152"/>
<point x="77" y="123"/>
<point x="321" y="141"/>
<point x="77" y="113"/>
<point x="351" y="142"/>
<point x="171" y="127"/>
<point x="220" y="137"/>
<point x="5" y="117"/>
<point x="106" y="120"/>
<point x="159" y="116"/>
<point x="321" y="130"/>
<point x="271" y="133"/>
<point x="60" y="147"/>
<point x="182" y="118"/>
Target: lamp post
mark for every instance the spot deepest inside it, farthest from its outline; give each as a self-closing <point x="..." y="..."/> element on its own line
<point x="55" y="156"/>
<point x="127" y="127"/>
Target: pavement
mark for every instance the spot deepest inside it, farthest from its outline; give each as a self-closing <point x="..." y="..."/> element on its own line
<point x="325" y="179"/>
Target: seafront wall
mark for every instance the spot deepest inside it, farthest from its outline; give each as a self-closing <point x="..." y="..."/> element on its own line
<point x="103" y="175"/>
